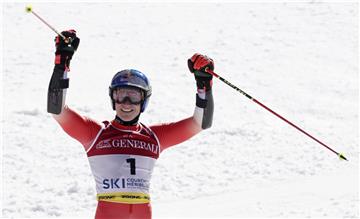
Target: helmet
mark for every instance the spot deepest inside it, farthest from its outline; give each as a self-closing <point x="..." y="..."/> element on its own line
<point x="131" y="78"/>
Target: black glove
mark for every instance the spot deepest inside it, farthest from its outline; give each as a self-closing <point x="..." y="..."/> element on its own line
<point x="198" y="64"/>
<point x="65" y="48"/>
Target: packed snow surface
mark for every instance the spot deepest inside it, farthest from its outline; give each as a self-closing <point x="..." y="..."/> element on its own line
<point x="298" y="58"/>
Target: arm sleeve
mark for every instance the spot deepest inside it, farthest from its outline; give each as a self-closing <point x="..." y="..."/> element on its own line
<point x="170" y="134"/>
<point x="78" y="127"/>
<point x="57" y="90"/>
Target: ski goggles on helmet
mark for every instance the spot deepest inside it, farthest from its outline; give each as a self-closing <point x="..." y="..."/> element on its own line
<point x="127" y="94"/>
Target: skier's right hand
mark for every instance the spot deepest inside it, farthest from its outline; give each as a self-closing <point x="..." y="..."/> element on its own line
<point x="65" y="48"/>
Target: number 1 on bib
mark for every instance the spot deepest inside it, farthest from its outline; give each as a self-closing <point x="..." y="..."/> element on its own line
<point x="132" y="165"/>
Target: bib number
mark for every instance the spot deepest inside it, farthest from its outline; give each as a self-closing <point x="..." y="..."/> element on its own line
<point x="132" y="165"/>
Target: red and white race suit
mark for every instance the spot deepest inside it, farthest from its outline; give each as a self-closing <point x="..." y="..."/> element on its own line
<point x="122" y="158"/>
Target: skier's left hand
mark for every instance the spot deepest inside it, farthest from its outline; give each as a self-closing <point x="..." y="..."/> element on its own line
<point x="198" y="64"/>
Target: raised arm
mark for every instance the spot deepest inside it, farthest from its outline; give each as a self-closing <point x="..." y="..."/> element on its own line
<point x="170" y="134"/>
<point x="81" y="128"/>
<point x="65" y="49"/>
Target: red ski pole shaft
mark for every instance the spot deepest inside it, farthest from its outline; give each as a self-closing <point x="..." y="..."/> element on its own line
<point x="341" y="156"/>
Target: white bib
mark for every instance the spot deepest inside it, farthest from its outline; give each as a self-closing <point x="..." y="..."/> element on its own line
<point x="122" y="173"/>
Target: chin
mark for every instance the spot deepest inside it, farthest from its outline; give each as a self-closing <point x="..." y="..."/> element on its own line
<point x="126" y="119"/>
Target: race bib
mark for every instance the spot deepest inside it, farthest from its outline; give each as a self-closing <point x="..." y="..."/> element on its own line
<point x="128" y="174"/>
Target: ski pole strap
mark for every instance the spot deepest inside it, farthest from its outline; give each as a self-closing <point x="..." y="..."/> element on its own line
<point x="125" y="197"/>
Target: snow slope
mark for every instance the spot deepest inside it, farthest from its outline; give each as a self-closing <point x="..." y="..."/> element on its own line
<point x="300" y="59"/>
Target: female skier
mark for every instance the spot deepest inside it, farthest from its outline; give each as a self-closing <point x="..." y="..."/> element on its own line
<point x="122" y="152"/>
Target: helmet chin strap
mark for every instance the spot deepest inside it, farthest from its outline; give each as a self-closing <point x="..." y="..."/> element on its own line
<point x="127" y="123"/>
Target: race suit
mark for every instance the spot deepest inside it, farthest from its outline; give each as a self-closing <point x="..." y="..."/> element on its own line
<point x="122" y="158"/>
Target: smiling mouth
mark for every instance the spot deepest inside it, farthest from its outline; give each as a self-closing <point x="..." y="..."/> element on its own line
<point x="127" y="110"/>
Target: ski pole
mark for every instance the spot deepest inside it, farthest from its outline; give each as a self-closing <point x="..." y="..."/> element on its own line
<point x="341" y="156"/>
<point x="30" y="10"/>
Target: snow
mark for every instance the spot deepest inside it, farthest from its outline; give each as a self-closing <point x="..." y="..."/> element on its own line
<point x="298" y="58"/>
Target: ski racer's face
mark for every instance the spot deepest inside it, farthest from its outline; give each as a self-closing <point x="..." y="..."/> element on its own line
<point x="128" y="102"/>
